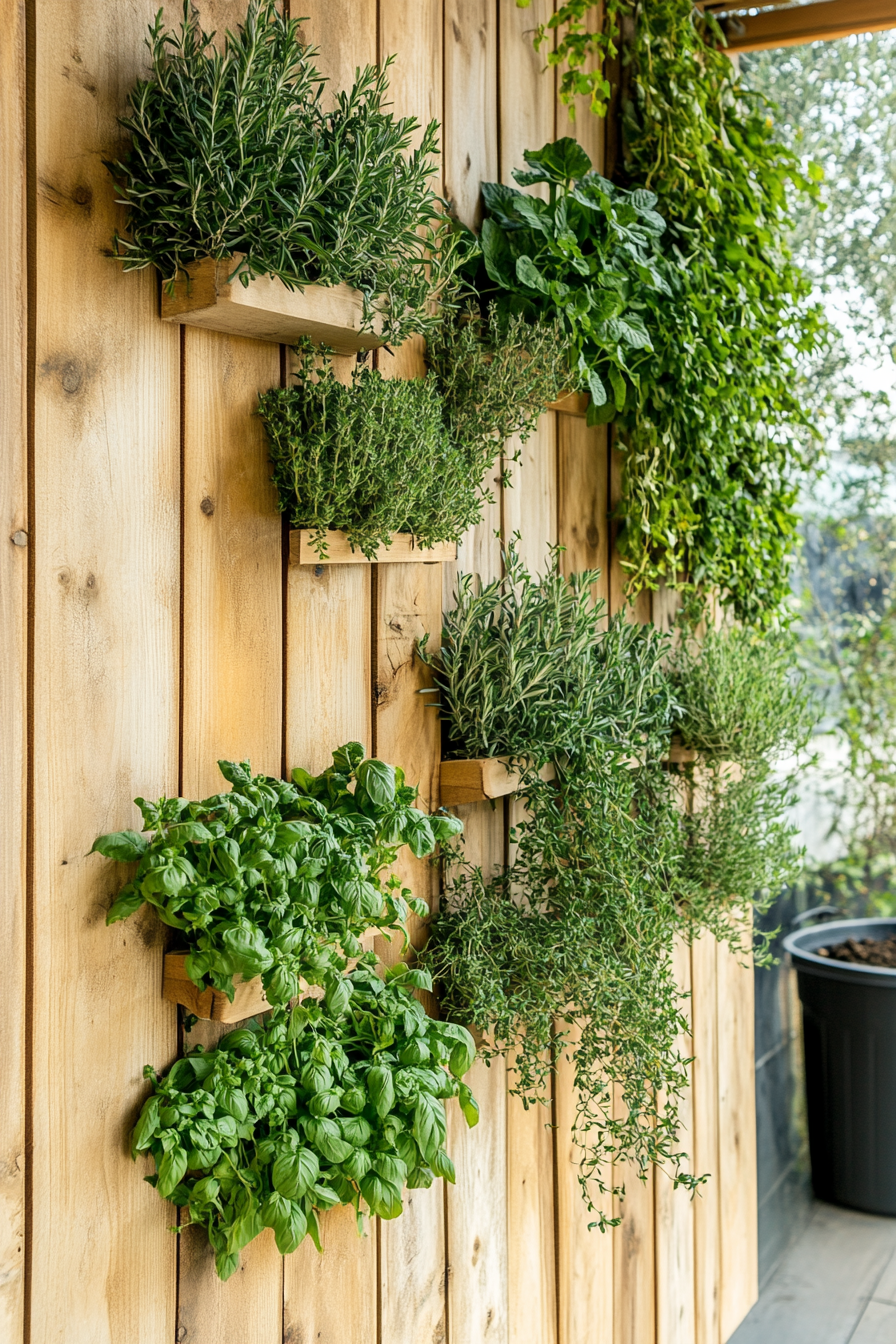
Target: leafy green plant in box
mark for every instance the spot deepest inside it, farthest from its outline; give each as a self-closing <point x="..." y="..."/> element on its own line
<point x="568" y="948"/>
<point x="376" y="456"/>
<point x="581" y="258"/>
<point x="745" y="709"/>
<point x="278" y="879"/>
<point x="233" y="152"/>
<point x="336" y="1102"/>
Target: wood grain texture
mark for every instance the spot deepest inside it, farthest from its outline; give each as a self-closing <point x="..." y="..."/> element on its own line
<point x="584" y="529"/>
<point x="739" y="1272"/>
<point x="530" y="497"/>
<point x="674" y="1209"/>
<point x="584" y="1257"/>
<point x="707" y="1211"/>
<point x="531" y="1271"/>
<point x="592" y="133"/>
<point x="402" y="548"/>
<point x="634" y="1275"/>
<point x="332" y="1298"/>
<point x="525" y="88"/>
<point x="619" y="601"/>
<point x="477" y="1214"/>
<point x="232" y="702"/>
<point x="470" y="122"/>
<point x="105" y="533"/>
<point x="328" y="663"/>
<point x="14" y="561"/>
<point x="232" y="565"/>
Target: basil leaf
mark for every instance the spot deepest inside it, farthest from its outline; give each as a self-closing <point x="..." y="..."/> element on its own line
<point x="429" y="1127"/>
<point x="123" y="846"/>
<point x="381" y="1089"/>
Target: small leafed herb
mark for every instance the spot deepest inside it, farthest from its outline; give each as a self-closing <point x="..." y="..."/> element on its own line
<point x="336" y="1102"/>
<point x="232" y="153"/>
<point x="278" y="879"/>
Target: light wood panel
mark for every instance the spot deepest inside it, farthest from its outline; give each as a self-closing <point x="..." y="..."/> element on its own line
<point x="583" y="495"/>
<point x="332" y="1298"/>
<point x="106" y="566"/>
<point x="232" y="663"/>
<point x="585" y="1283"/>
<point x="328" y="701"/>
<point x="675" y="1265"/>
<point x="323" y="1293"/>
<point x="531" y="1269"/>
<point x="526" y="88"/>
<point x="530" y="498"/>
<point x="13" y="668"/>
<point x="634" y="1271"/>
<point x="477" y="1214"/>
<point x="707" y="1211"/>
<point x="738" y="1270"/>
<point x="232" y="703"/>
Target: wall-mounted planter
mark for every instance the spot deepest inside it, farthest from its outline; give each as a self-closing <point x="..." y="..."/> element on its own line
<point x="478" y="780"/>
<point x="266" y="310"/>
<point x="213" y="1005"/>
<point x="571" y="403"/>
<point x="403" y="548"/>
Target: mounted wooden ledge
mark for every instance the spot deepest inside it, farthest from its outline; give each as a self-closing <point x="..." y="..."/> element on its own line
<point x="266" y="310"/>
<point x="476" y="781"/>
<point x="571" y="403"/>
<point x="402" y="549"/>
<point x="213" y="1005"/>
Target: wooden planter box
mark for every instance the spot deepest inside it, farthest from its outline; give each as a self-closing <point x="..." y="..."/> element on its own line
<point x="249" y="997"/>
<point x="266" y="310"/>
<point x="480" y="779"/>
<point x="486" y="777"/>
<point x="402" y="549"/>
<point x="571" y="403"/>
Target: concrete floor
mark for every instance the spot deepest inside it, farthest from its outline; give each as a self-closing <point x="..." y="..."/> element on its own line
<point x="835" y="1285"/>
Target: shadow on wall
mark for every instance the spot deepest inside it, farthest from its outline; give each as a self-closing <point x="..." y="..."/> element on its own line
<point x="783" y="1177"/>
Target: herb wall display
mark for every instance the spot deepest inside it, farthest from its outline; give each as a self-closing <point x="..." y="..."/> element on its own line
<point x="569" y="947"/>
<point x="379" y="455"/>
<point x="715" y="428"/>
<point x="232" y="152"/>
<point x="337" y="1098"/>
<point x="580" y="259"/>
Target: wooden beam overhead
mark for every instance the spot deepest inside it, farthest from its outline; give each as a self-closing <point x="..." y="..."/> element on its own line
<point x="824" y="20"/>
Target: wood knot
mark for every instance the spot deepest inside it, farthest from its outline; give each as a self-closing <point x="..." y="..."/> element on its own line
<point x="208" y="506"/>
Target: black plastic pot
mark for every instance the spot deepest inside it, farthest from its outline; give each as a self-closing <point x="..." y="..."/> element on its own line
<point x="849" y="1032"/>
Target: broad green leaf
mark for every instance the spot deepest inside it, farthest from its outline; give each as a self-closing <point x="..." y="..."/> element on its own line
<point x="123" y="846"/>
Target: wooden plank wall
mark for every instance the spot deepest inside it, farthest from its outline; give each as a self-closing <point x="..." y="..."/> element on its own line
<point x="152" y="623"/>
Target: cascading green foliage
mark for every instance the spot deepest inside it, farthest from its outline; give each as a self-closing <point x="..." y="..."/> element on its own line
<point x="718" y="434"/>
<point x="714" y="424"/>
<point x="748" y="713"/>
<point x="579" y="259"/>
<point x="232" y="152"/>
<point x="383" y="455"/>
<point x="335" y="1102"/>
<point x="582" y="47"/>
<point x="337" y="1099"/>
<point x="569" y="947"/>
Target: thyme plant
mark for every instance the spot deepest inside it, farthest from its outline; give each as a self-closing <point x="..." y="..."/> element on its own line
<point x="233" y="155"/>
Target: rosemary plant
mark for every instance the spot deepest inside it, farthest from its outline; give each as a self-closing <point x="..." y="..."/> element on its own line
<point x="232" y="153"/>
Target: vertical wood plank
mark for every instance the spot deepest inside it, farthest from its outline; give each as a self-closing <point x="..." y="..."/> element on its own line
<point x="584" y="1257"/>
<point x="105" y="533"/>
<point x="477" y="1214"/>
<point x="531" y="1277"/>
<point x="707" y="1210"/>
<point x="526" y="88"/>
<point x="328" y="671"/>
<point x="634" y="1294"/>
<point x="675" y="1265"/>
<point x="530" y="499"/>
<point x="739" y="1268"/>
<point x="639" y="610"/>
<point x="583" y="492"/>
<point x="232" y="704"/>
<point x="325" y="1294"/>
<point x="13" y="667"/>
<point x="470" y="156"/>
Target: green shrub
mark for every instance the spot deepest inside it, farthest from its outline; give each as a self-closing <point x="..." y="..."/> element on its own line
<point x="232" y="152"/>
<point x="276" y="879"/>
<point x="337" y="1102"/>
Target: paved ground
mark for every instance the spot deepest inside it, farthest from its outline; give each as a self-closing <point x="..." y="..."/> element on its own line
<point x="835" y="1285"/>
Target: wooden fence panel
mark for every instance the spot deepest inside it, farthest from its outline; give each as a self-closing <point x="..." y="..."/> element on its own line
<point x="675" y="1304"/>
<point x="105" y="613"/>
<point x="14" y="540"/>
<point x="738" y="1268"/>
<point x="707" y="1211"/>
